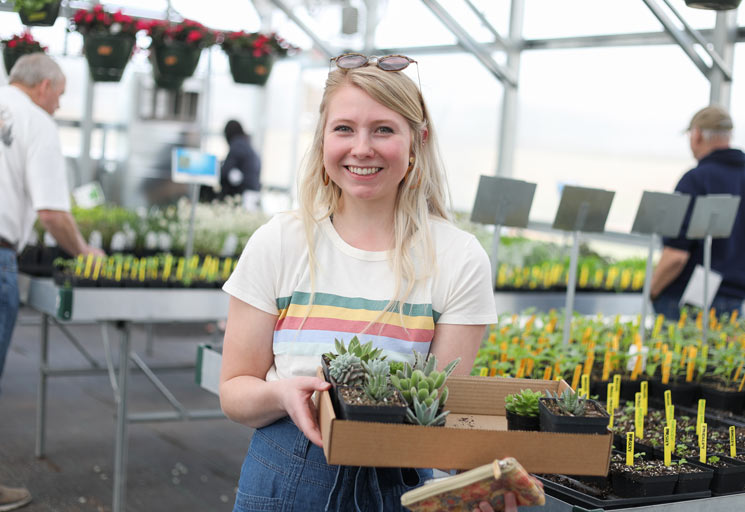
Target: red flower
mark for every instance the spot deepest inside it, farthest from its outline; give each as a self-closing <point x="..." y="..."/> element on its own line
<point x="193" y="36"/>
<point x="12" y="43"/>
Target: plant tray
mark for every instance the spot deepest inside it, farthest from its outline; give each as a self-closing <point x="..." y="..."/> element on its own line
<point x="728" y="479"/>
<point x="379" y="413"/>
<point x="694" y="482"/>
<point x="581" y="499"/>
<point x="551" y="422"/>
<point x="643" y="486"/>
<point x="475" y="434"/>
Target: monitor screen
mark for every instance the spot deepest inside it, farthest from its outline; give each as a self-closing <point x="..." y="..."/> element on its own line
<point x="190" y="165"/>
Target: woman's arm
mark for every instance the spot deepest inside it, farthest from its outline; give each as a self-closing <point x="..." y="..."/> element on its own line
<point x="245" y="396"/>
<point x="452" y="341"/>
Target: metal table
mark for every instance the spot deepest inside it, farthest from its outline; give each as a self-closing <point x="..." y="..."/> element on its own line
<point x="119" y="308"/>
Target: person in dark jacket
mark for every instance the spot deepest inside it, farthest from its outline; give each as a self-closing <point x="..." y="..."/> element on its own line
<point x="720" y="170"/>
<point x="239" y="174"/>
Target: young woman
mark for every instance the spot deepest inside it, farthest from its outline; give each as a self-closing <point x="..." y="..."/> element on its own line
<point x="370" y="253"/>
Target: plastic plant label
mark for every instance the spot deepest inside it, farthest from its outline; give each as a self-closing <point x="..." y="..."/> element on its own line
<point x="610" y="397"/>
<point x="674" y="431"/>
<point x="670" y="414"/>
<point x="616" y="389"/>
<point x="606" y="365"/>
<point x="742" y="383"/>
<point x="668" y="446"/>
<point x="702" y="442"/>
<point x="629" y="448"/>
<point x="645" y="396"/>
<point x="668" y="400"/>
<point x="638" y="416"/>
<point x="666" y="367"/>
<point x="88" y="266"/>
<point x="484" y="372"/>
<point x="691" y="363"/>
<point x="700" y="415"/>
<point x="732" y="442"/>
<point x="585" y="379"/>
<point x="575" y="378"/>
<point x="547" y="373"/>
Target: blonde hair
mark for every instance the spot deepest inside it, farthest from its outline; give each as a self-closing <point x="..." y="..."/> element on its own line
<point x="421" y="194"/>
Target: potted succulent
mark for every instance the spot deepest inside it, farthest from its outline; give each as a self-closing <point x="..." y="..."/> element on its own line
<point x="570" y="413"/>
<point x="252" y="54"/>
<point x="109" y="40"/>
<point x="18" y="46"/>
<point x="40" y="13"/>
<point x="175" y="50"/>
<point x="423" y="387"/>
<point x="366" y="393"/>
<point x="522" y="410"/>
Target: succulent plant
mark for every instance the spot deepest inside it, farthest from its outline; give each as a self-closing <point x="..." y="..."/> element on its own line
<point x="569" y="402"/>
<point x="347" y="370"/>
<point x="377" y="372"/>
<point x="524" y="403"/>
<point x="424" y="414"/>
<point x="365" y="352"/>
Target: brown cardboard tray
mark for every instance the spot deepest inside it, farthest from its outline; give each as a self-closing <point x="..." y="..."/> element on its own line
<point x="475" y="434"/>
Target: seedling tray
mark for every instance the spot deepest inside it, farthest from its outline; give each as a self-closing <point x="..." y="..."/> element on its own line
<point x="581" y="499"/>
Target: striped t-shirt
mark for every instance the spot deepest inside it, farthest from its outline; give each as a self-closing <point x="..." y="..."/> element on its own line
<point x="352" y="288"/>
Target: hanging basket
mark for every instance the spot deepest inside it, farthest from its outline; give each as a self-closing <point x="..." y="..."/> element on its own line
<point x="247" y="69"/>
<point x="44" y="17"/>
<point x="11" y="55"/>
<point x="107" y="55"/>
<point x="173" y="63"/>
<point x="715" y="5"/>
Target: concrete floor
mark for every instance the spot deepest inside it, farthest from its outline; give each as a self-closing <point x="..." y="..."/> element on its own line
<point x="184" y="466"/>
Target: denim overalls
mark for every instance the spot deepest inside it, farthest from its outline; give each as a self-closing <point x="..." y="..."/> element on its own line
<point x="283" y="471"/>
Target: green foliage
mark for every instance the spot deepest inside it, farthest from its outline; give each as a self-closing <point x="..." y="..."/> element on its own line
<point x="377" y="373"/>
<point x="713" y="459"/>
<point x="365" y="352"/>
<point x="423" y="414"/>
<point x="347" y="370"/>
<point x="28" y="6"/>
<point x="569" y="403"/>
<point x="524" y="403"/>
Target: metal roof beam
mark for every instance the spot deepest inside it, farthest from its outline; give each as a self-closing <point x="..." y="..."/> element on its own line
<point x="497" y="38"/>
<point x="316" y="40"/>
<point x="470" y="44"/>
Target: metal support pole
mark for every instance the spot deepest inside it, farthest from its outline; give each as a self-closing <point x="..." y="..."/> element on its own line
<point x="120" y="448"/>
<point x="302" y="26"/>
<point x="707" y="269"/>
<point x="647" y="286"/>
<point x="194" y="189"/>
<point x="41" y="401"/>
<point x="571" y="285"/>
<point x="85" y="171"/>
<point x="508" y="120"/>
<point x="724" y="37"/>
<point x="495" y="254"/>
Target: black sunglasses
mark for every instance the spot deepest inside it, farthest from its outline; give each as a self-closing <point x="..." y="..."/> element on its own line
<point x="385" y="62"/>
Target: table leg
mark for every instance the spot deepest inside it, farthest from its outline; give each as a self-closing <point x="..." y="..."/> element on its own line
<point x="120" y="449"/>
<point x="41" y="393"/>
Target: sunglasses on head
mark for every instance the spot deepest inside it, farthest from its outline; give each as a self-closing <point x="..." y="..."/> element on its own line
<point x="385" y="62"/>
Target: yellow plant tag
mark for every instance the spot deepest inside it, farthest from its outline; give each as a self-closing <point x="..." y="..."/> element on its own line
<point x="692" y="351"/>
<point x="668" y="446"/>
<point x="700" y="415"/>
<point x="585" y="386"/>
<point x="645" y="396"/>
<point x="742" y="383"/>
<point x="637" y="366"/>
<point x="617" y="389"/>
<point x="610" y="398"/>
<point x="638" y="416"/>
<point x="484" y="372"/>
<point x="629" y="448"/>
<point x="732" y="442"/>
<point x="668" y="399"/>
<point x="575" y="378"/>
<point x="666" y="367"/>
<point x="547" y="373"/>
<point x="492" y="372"/>
<point x="674" y="432"/>
<point x="702" y="443"/>
<point x="97" y="268"/>
<point x="88" y="266"/>
<point x="737" y="373"/>
<point x="658" y="325"/>
<point x="503" y="348"/>
<point x="733" y="318"/>
<point x="669" y="413"/>
<point x="606" y="365"/>
<point x="118" y="271"/>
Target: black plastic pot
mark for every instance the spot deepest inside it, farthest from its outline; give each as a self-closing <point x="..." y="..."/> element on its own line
<point x="11" y="55"/>
<point x="44" y="17"/>
<point x="377" y="413"/>
<point x="630" y="485"/>
<point x="173" y="63"/>
<point x="247" y="69"/>
<point x="518" y="422"/>
<point x="715" y="5"/>
<point x="685" y="394"/>
<point x="551" y="422"/>
<point x="732" y="401"/>
<point x="107" y="55"/>
<point x="695" y="482"/>
<point x="730" y="478"/>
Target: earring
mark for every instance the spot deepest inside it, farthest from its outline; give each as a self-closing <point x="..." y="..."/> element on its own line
<point x="408" y="171"/>
<point x="411" y="165"/>
<point x="325" y="177"/>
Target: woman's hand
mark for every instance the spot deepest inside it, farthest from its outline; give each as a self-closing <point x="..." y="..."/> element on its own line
<point x="296" y="398"/>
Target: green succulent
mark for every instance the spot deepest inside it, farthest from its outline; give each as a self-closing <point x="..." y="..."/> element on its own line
<point x="524" y="403"/>
<point x="347" y="370"/>
<point x="424" y="414"/>
<point x="569" y="403"/>
<point x="377" y="373"/>
<point x="365" y="352"/>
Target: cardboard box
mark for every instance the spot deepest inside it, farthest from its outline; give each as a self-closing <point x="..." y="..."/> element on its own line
<point x="475" y="434"/>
